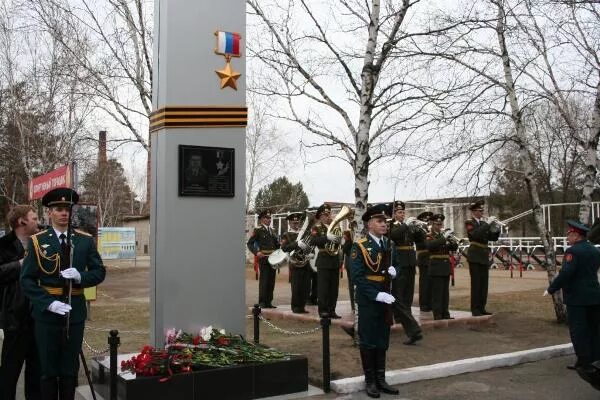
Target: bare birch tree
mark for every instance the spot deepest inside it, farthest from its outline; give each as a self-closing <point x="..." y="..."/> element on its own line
<point x="338" y="80"/>
<point x="497" y="55"/>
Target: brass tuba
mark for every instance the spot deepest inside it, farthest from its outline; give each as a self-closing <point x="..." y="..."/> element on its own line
<point x="299" y="257"/>
<point x="334" y="229"/>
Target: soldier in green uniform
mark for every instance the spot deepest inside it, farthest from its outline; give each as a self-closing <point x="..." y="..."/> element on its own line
<point x="300" y="274"/>
<point x="261" y="243"/>
<point x="403" y="286"/>
<point x="440" y="244"/>
<point x="327" y="262"/>
<point x="46" y="277"/>
<point x="423" y="264"/>
<point x="479" y="233"/>
<point x="578" y="279"/>
<point x="371" y="273"/>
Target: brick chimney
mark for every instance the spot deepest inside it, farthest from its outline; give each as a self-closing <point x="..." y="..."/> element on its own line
<point x="102" y="148"/>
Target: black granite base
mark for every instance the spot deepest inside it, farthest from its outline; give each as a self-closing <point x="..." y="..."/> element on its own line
<point x="240" y="382"/>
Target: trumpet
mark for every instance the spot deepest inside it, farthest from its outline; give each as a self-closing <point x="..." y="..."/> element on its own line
<point x="494" y="220"/>
<point x="417" y="223"/>
<point x="450" y="236"/>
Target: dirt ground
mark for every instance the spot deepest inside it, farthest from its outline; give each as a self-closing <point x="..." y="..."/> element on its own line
<point x="523" y="320"/>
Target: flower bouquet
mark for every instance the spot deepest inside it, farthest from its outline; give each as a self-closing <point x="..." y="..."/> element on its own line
<point x="209" y="348"/>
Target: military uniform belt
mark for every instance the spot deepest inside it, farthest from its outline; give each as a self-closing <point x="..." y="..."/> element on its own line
<point x="375" y="278"/>
<point x="440" y="256"/>
<point x="404" y="247"/>
<point x="422" y="251"/>
<point x="267" y="252"/>
<point x="59" y="291"/>
<point x="485" y="246"/>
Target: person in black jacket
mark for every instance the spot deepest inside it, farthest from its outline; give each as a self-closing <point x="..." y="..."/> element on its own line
<point x="480" y="233"/>
<point x="15" y="310"/>
<point x="262" y="243"/>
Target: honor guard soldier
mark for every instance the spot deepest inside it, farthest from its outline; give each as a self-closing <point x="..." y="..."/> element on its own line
<point x="371" y="273"/>
<point x="578" y="279"/>
<point x="479" y="233"/>
<point x="440" y="244"/>
<point x="300" y="273"/>
<point x="263" y="242"/>
<point x="403" y="286"/>
<point x="327" y="262"/>
<point x="58" y="266"/>
<point x="423" y="264"/>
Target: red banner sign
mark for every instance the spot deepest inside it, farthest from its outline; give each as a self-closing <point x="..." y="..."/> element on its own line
<point x="60" y="177"/>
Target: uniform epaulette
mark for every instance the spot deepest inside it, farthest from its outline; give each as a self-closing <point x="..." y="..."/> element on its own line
<point x="84" y="233"/>
<point x="40" y="232"/>
<point x="363" y="240"/>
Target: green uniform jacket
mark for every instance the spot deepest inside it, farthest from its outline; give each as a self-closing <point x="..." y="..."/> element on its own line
<point x="422" y="252"/>
<point x="41" y="269"/>
<point x="405" y="238"/>
<point x="262" y="240"/>
<point x="439" y="252"/>
<point x="288" y="241"/>
<point x="578" y="277"/>
<point x="479" y="235"/>
<point x="370" y="280"/>
<point x="324" y="260"/>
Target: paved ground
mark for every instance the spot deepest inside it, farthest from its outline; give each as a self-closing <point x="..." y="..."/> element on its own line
<point x="544" y="380"/>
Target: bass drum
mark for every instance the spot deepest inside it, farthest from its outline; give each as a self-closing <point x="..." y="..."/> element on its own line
<point x="278" y="259"/>
<point x="313" y="259"/>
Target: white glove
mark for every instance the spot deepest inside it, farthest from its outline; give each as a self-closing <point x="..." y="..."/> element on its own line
<point x="58" y="307"/>
<point x="384" y="297"/>
<point x="392" y="271"/>
<point x="332" y="238"/>
<point x="71" y="273"/>
<point x="545" y="293"/>
<point x="302" y="245"/>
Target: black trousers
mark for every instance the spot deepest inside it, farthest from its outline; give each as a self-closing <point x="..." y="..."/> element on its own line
<point x="300" y="286"/>
<point x="440" y="296"/>
<point x="19" y="347"/>
<point x="403" y="289"/>
<point x="479" y="286"/>
<point x="313" y="287"/>
<point x="424" y="288"/>
<point x="266" y="282"/>
<point x="584" y="328"/>
<point x="328" y="288"/>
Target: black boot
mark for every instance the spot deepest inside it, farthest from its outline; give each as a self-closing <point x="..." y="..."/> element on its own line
<point x="367" y="357"/>
<point x="49" y="388"/>
<point x="67" y="386"/>
<point x="380" y="374"/>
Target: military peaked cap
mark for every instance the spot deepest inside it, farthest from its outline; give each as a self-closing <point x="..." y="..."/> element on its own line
<point x="425" y="216"/>
<point x="297" y="216"/>
<point x="399" y="205"/>
<point x="576" y="226"/>
<point x="325" y="208"/>
<point x="437" y="218"/>
<point x="264" y="213"/>
<point x="377" y="211"/>
<point x="478" y="205"/>
<point x="60" y="197"/>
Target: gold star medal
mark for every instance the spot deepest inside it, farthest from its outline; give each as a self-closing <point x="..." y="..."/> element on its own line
<point x="228" y="45"/>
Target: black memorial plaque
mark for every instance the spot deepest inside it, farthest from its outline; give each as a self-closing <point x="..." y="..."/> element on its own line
<point x="206" y="171"/>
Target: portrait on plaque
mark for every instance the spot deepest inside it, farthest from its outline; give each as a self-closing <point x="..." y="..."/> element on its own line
<point x="206" y="171"/>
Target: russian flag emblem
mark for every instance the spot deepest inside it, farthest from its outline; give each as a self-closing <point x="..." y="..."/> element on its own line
<point x="228" y="43"/>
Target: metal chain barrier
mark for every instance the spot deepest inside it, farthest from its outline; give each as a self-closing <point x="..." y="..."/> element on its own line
<point x="286" y="332"/>
<point x="95" y="351"/>
<point x="91" y="328"/>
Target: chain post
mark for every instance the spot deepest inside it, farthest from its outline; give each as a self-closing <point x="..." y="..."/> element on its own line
<point x="113" y="342"/>
<point x="256" y="314"/>
<point x="325" y="323"/>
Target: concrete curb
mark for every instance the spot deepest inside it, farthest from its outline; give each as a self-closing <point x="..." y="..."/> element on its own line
<point x="442" y="370"/>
